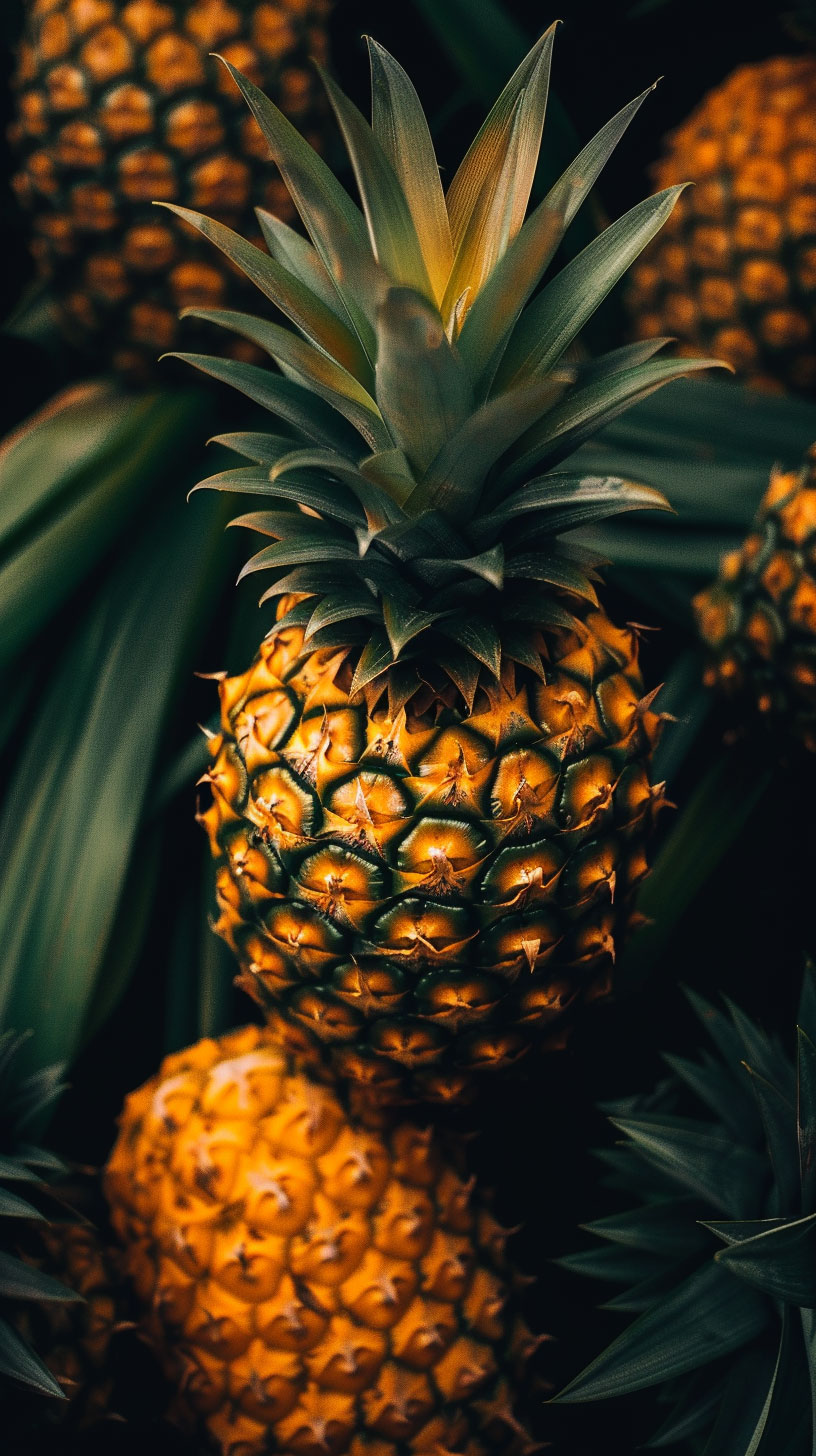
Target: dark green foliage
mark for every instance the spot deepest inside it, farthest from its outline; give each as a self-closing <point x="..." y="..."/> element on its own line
<point x="24" y="1168"/>
<point x="719" y="1256"/>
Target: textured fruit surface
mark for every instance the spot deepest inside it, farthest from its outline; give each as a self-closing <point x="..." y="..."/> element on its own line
<point x="428" y="895"/>
<point x="734" y="269"/>
<point x="321" y="1286"/>
<point x="759" y="619"/>
<point x="121" y="104"/>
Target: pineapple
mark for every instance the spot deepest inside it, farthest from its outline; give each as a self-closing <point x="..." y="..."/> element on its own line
<point x="429" y="800"/>
<point x="319" y="1285"/>
<point x="119" y="103"/>
<point x="734" y="271"/>
<point x="758" y="620"/>
<point x="718" y="1253"/>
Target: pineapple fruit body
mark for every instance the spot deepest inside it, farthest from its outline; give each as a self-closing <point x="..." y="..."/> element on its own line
<point x="759" y="619"/>
<point x="734" y="270"/>
<point x="119" y="103"/>
<point x="427" y="896"/>
<point x="319" y="1284"/>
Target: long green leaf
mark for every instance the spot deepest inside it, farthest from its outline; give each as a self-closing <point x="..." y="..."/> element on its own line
<point x="524" y="98"/>
<point x="320" y="374"/>
<point x="73" y="807"/>
<point x="336" y="227"/>
<point x="399" y="124"/>
<point x="493" y="314"/>
<point x="562" y="308"/>
<point x="19" y="1362"/>
<point x="393" y="236"/>
<point x="292" y="402"/>
<point x="779" y="1260"/>
<point x="709" y="1316"/>
<point x="304" y="308"/>
<point x="588" y="409"/>
<point x="53" y="550"/>
<point x="422" y="386"/>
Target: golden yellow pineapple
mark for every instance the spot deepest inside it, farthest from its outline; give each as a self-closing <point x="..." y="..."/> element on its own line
<point x="319" y="1285"/>
<point x="119" y="103"/>
<point x="430" y="796"/>
<point x="734" y="270"/>
<point x="759" y="619"/>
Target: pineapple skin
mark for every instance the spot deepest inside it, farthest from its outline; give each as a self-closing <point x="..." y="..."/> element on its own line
<point x="758" y="620"/>
<point x="425" y="899"/>
<point x="733" y="271"/>
<point x="120" y="105"/>
<point x="318" y="1285"/>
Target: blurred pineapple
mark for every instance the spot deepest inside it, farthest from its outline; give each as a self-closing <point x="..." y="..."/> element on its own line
<point x="734" y="269"/>
<point x="319" y="1284"/>
<point x="120" y="104"/>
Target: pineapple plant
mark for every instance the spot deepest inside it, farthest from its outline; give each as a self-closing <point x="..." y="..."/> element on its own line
<point x="718" y="1254"/>
<point x="758" y="621"/>
<point x="320" y="1283"/>
<point x="429" y="798"/>
<point x="119" y="103"/>
<point x="734" y="270"/>
<point x="63" y="1303"/>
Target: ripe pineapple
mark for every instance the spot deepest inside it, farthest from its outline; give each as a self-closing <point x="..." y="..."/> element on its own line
<point x="430" y="795"/>
<point x="320" y="1285"/>
<point x="120" y="103"/>
<point x="734" y="271"/>
<point x="759" y="619"/>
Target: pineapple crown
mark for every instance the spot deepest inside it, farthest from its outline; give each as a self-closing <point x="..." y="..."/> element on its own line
<point x="720" y="1254"/>
<point x="425" y="394"/>
<point x="24" y="1100"/>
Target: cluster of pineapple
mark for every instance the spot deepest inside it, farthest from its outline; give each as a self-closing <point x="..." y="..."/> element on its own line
<point x="430" y="797"/>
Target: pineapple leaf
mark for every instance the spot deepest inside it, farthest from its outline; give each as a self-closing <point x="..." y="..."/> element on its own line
<point x="399" y="124"/>
<point x="697" y="1156"/>
<point x="301" y="552"/>
<point x="494" y="312"/>
<point x="560" y="502"/>
<point x="780" y="1261"/>
<point x="375" y="657"/>
<point x="667" y="1227"/>
<point x="304" y="308"/>
<point x="487" y="235"/>
<point x="336" y="227"/>
<point x="554" y="570"/>
<point x="806" y="1117"/>
<point x="454" y="480"/>
<point x="524" y="96"/>
<point x="320" y="374"/>
<point x="313" y="418"/>
<point x="422" y="387"/>
<point x="778" y="1121"/>
<point x="380" y="508"/>
<point x="478" y="638"/>
<point x="13" y="1206"/>
<point x="327" y="497"/>
<point x="617" y="1265"/>
<point x="22" y="1281"/>
<point x="334" y="609"/>
<point x="263" y="449"/>
<point x="586" y="410"/>
<point x="708" y="1317"/>
<point x="300" y="257"/>
<point x="750" y="1404"/>
<point x="391" y="229"/>
<point x="402" y="624"/>
<point x="807" y="1000"/>
<point x="562" y="308"/>
<point x="696" y="1407"/>
<point x="20" y="1363"/>
<point x="718" y="1091"/>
